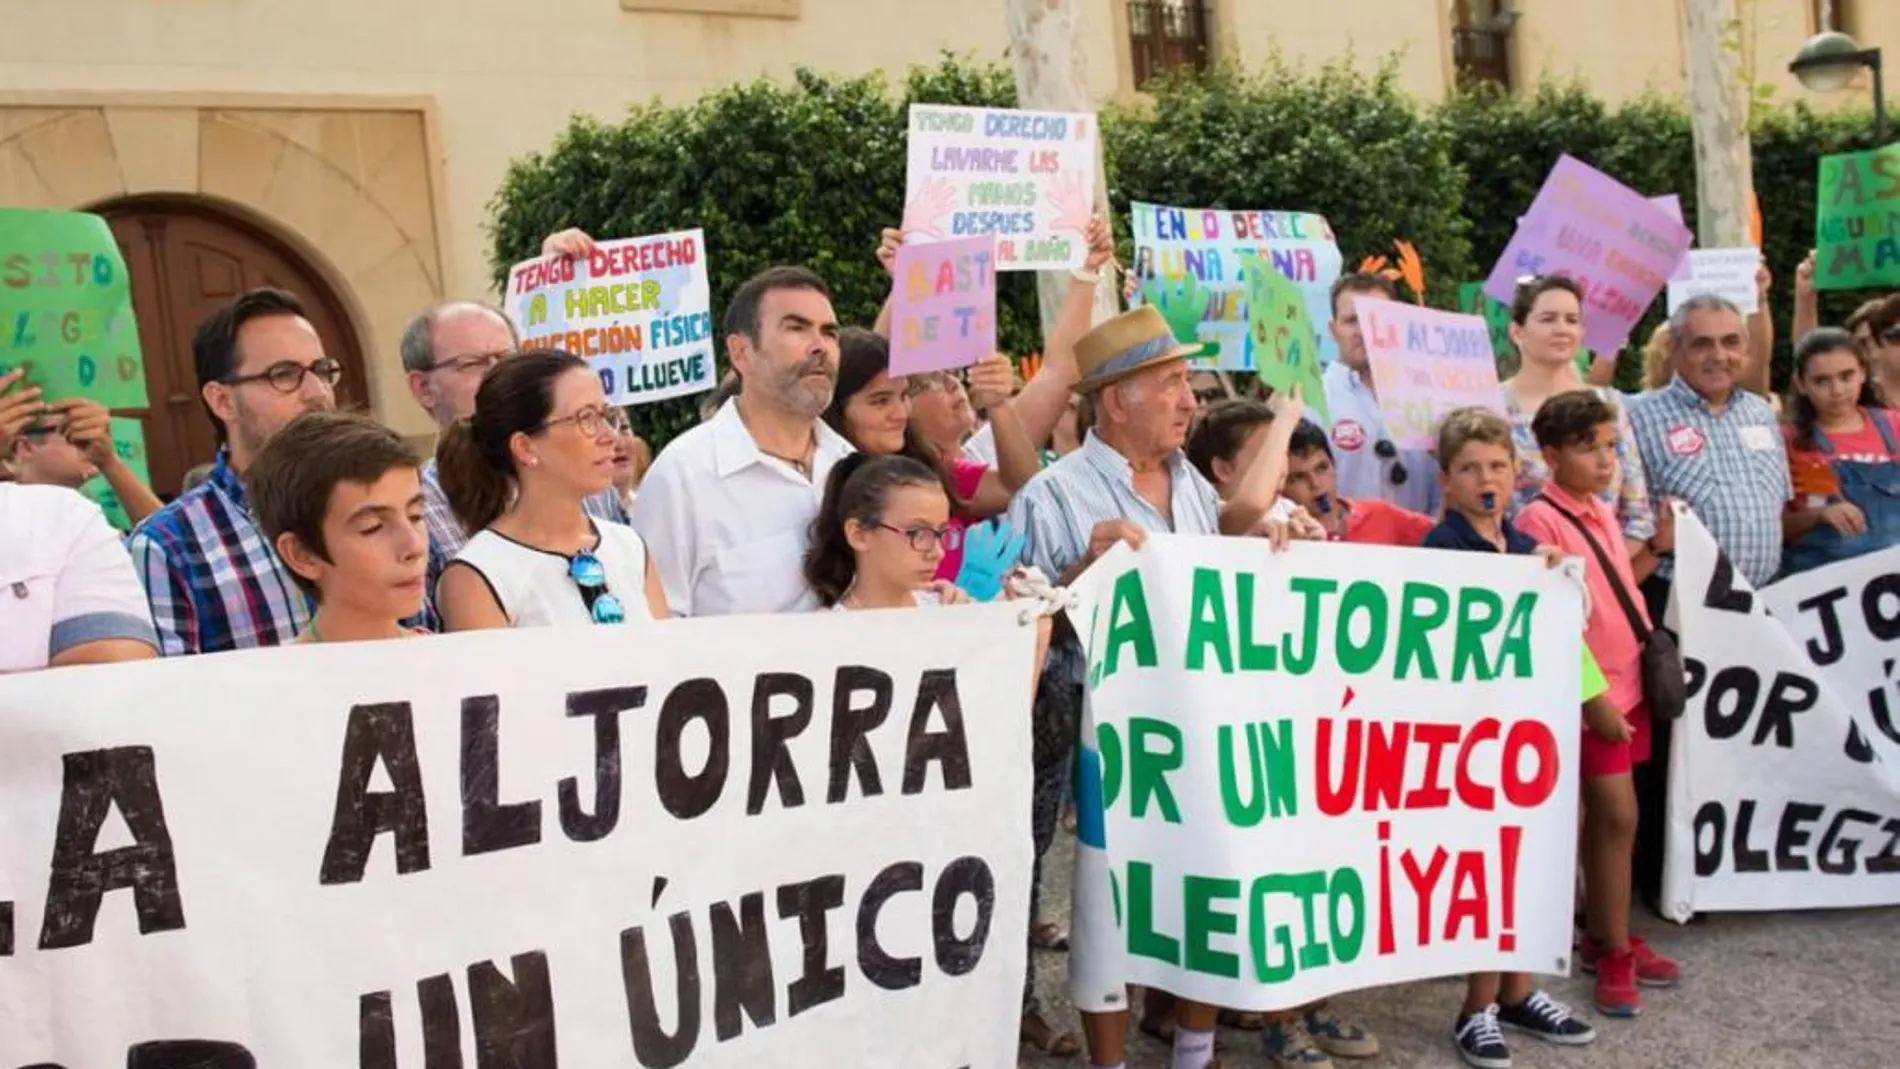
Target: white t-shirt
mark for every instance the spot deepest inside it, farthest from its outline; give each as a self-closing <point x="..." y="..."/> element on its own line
<point x="65" y="578"/>
<point x="533" y="585"/>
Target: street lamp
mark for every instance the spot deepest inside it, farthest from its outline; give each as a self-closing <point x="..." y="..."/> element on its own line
<point x="1829" y="61"/>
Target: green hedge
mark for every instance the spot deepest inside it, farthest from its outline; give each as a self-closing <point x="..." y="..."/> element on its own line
<point x="808" y="172"/>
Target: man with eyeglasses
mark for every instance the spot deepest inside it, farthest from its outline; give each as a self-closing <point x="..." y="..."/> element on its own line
<point x="212" y="578"/>
<point x="1369" y="464"/>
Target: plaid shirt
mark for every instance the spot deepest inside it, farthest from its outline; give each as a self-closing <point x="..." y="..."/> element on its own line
<point x="213" y="581"/>
<point x="1729" y="466"/>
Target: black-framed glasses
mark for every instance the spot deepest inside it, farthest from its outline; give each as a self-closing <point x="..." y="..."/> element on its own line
<point x="591" y="577"/>
<point x="925" y="539"/>
<point x="286" y="376"/>
<point x="1385" y="450"/>
<point x="471" y="363"/>
<point x="589" y="421"/>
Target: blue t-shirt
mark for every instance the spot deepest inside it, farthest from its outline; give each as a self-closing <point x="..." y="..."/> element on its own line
<point x="1457" y="533"/>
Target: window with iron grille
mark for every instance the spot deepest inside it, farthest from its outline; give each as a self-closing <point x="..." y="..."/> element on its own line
<point x="1481" y="40"/>
<point x="1168" y="34"/>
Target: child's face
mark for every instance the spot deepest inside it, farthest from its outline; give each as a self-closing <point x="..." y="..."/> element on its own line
<point x="1585" y="467"/>
<point x="1479" y="478"/>
<point x="378" y="547"/>
<point x="1312" y="482"/>
<point x="906" y="544"/>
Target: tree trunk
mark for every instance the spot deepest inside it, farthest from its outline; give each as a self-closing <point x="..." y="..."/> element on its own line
<point x="1045" y="43"/>
<point x="1719" y="99"/>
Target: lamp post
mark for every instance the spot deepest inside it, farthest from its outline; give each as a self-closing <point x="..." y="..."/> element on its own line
<point x="1828" y="62"/>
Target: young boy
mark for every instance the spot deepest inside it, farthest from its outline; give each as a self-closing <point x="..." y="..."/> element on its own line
<point x="1577" y="433"/>
<point x="340" y="498"/>
<point x="1479" y="467"/>
<point x="1312" y="480"/>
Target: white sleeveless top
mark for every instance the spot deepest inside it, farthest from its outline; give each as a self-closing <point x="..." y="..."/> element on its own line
<point x="534" y="588"/>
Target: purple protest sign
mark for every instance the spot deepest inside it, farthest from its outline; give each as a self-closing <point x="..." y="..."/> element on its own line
<point x="1616" y="244"/>
<point x="1672" y="203"/>
<point x="943" y="306"/>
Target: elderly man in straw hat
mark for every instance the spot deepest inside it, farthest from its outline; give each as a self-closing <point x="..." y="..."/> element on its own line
<point x="1129" y="478"/>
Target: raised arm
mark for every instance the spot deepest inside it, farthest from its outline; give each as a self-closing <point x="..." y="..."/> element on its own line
<point x="1260" y="486"/>
<point x="1761" y="335"/>
<point x="1041" y="403"/>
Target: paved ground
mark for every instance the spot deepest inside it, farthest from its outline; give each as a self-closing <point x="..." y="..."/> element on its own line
<point x="1777" y="991"/>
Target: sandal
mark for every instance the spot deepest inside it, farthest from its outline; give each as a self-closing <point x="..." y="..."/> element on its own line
<point x="1049" y="936"/>
<point x="1046" y="1039"/>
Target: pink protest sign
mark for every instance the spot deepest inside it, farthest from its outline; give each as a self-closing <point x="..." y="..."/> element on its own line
<point x="943" y="307"/>
<point x="1618" y="245"/>
<point x="1426" y="363"/>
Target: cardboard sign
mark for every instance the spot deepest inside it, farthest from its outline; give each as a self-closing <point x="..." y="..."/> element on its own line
<point x="1617" y="245"/>
<point x="1190" y="264"/>
<point x="1726" y="273"/>
<point x="1785" y="769"/>
<point x="943" y="305"/>
<point x="1426" y="363"/>
<point x="1284" y="343"/>
<point x="639" y="310"/>
<point x="1472" y="300"/>
<point x="66" y="308"/>
<point x="1311" y="772"/>
<point x="128" y="440"/>
<point x="752" y="840"/>
<point x="1856" y="242"/>
<point x="1028" y="177"/>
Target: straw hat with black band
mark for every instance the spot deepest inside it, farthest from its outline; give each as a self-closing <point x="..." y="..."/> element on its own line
<point x="1130" y="342"/>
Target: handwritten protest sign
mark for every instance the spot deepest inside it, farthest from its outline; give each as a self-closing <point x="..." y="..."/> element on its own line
<point x="943" y="305"/>
<point x="1785" y="769"/>
<point x="698" y="844"/>
<point x="1472" y="300"/>
<point x="1189" y="265"/>
<point x="639" y="310"/>
<point x="1856" y="240"/>
<point x="1313" y="771"/>
<point x="66" y="308"/>
<point x="128" y="441"/>
<point x="1616" y="244"/>
<point x="1285" y="346"/>
<point x="1425" y="364"/>
<point x="1726" y="273"/>
<point x="1027" y="177"/>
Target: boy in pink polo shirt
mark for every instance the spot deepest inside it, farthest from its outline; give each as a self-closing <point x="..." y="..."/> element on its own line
<point x="1577" y="433"/>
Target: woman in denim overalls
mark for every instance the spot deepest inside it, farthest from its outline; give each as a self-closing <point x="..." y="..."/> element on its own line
<point x="1847" y="499"/>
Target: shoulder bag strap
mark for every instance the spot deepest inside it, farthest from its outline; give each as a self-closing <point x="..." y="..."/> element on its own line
<point x="1603" y="561"/>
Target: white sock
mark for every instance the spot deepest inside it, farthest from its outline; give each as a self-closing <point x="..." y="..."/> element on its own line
<point x="1192" y="1050"/>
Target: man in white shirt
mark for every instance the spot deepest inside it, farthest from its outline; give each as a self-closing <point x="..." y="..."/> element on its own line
<point x="726" y="509"/>
<point x="68" y="594"/>
<point x="1369" y="464"/>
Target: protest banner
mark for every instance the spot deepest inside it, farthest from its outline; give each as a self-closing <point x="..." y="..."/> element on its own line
<point x="1426" y="363"/>
<point x="943" y="305"/>
<point x="1189" y="263"/>
<point x="128" y="441"/>
<point x="1614" y="242"/>
<point x="712" y="843"/>
<point x="639" y="310"/>
<point x="1856" y="242"/>
<point x="1027" y="177"/>
<point x="1728" y="273"/>
<point x="66" y="308"/>
<point x="1312" y="771"/>
<point x="1784" y="771"/>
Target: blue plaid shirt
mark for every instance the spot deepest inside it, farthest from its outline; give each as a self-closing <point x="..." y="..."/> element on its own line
<point x="1729" y="466"/>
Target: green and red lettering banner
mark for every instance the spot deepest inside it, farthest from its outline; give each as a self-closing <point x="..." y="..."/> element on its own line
<point x="1325" y="769"/>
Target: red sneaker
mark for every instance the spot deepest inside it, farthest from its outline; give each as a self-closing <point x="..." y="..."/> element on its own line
<point x="1652" y="969"/>
<point x="1616" y="994"/>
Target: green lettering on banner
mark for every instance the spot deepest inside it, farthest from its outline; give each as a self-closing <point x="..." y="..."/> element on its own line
<point x="1301" y="660"/>
<point x="1857" y="220"/>
<point x="1207" y="623"/>
<point x="1108" y="745"/>
<point x="1415" y="625"/>
<point x="1516" y="647"/>
<point x="1355" y="657"/>
<point x="1348" y="888"/>
<point x="1253" y="657"/>
<point x="1143" y="940"/>
<point x="1285" y="345"/>
<point x="1263" y="969"/>
<point x="1127" y="626"/>
<point x="66" y="308"/>
<point x="1309" y="885"/>
<point x="1200" y="923"/>
<point x="1468" y="653"/>
<point x="1269" y="770"/>
<point x="1148" y="769"/>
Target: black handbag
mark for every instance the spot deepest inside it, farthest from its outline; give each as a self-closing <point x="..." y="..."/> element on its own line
<point x="1665" y="684"/>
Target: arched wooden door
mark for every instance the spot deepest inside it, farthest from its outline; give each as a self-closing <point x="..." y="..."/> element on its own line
<point x="186" y="257"/>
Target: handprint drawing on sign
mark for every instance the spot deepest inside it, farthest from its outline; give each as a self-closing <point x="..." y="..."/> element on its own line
<point x="935" y="199"/>
<point x="1069" y="207"/>
<point x="1183" y="302"/>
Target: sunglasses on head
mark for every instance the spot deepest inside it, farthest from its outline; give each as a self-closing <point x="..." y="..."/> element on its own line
<point x="591" y="577"/>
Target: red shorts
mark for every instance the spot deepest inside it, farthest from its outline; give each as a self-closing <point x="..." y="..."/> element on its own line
<point x="1604" y="758"/>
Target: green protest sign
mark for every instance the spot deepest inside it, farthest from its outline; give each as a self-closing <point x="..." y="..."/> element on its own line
<point x="1855" y="239"/>
<point x="1472" y="300"/>
<point x="66" y="308"/>
<point x="1286" y="348"/>
<point x="128" y="440"/>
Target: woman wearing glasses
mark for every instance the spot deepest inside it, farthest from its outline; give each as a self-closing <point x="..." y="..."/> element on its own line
<point x="880" y="536"/>
<point x="539" y="444"/>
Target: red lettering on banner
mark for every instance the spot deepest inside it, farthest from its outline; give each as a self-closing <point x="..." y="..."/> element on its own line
<point x="1477" y="882"/>
<point x="1375" y="768"/>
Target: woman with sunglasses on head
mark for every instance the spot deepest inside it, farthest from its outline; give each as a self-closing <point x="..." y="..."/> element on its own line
<point x="1547" y="328"/>
<point x="540" y="443"/>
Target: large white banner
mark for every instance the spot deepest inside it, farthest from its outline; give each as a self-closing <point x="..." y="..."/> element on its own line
<point x="732" y="842"/>
<point x="1784" y="788"/>
<point x="1328" y="769"/>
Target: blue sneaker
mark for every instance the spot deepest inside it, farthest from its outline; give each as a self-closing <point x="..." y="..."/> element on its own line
<point x="1289" y="1047"/>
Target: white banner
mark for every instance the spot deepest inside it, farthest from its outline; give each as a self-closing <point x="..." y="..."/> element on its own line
<point x="1322" y="772"/>
<point x="735" y="842"/>
<point x="1784" y="788"/>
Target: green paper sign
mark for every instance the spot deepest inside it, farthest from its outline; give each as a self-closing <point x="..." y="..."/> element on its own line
<point x="128" y="440"/>
<point x="1286" y="348"/>
<point x="1856" y="241"/>
<point x="1472" y="300"/>
<point x="66" y="308"/>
